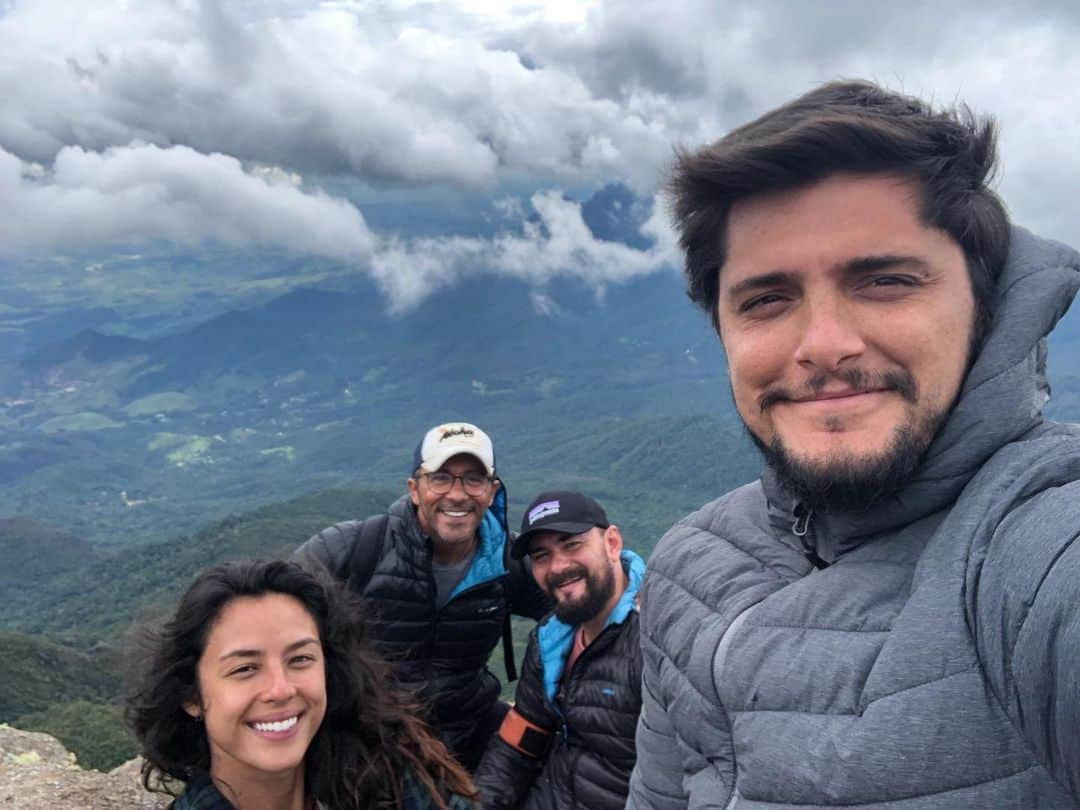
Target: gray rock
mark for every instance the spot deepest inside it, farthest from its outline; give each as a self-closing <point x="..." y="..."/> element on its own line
<point x="38" y="773"/>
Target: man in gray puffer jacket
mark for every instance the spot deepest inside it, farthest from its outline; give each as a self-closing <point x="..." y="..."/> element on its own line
<point x="890" y="617"/>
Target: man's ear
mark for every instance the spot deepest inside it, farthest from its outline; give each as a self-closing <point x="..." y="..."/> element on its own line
<point x="414" y="493"/>
<point x="612" y="542"/>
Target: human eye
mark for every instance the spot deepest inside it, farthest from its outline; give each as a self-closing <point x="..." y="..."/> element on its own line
<point x="889" y="285"/>
<point x="440" y="479"/>
<point x="474" y="479"/>
<point x="242" y="671"/>
<point x="763" y="305"/>
<point x="538" y="556"/>
<point x="892" y="280"/>
<point x="302" y="660"/>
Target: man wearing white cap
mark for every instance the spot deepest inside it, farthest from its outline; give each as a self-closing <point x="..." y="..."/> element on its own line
<point x="438" y="582"/>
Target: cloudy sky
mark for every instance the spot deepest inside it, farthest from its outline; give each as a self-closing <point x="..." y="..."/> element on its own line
<point x="239" y="122"/>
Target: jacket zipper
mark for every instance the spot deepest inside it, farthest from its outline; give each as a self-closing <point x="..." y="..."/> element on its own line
<point x="800" y="527"/>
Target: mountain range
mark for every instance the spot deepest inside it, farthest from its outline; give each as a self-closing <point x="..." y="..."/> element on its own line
<point x="122" y="439"/>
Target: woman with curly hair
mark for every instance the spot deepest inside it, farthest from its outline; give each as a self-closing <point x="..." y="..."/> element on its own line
<point x="261" y="693"/>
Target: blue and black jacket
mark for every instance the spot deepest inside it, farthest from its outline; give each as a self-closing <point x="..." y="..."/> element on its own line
<point x="592" y="714"/>
<point x="440" y="654"/>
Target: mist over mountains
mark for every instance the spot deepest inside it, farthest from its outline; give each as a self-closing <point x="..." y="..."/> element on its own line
<point x="127" y="435"/>
<point x="124" y="434"/>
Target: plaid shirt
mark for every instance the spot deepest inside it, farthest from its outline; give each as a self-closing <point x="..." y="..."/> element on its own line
<point x="200" y="794"/>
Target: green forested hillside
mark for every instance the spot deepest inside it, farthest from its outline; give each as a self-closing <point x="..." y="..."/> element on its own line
<point x="87" y="605"/>
<point x="94" y="732"/>
<point x="36" y="674"/>
<point x="32" y="553"/>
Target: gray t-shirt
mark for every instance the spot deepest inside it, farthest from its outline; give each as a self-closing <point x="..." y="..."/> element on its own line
<point x="447" y="577"/>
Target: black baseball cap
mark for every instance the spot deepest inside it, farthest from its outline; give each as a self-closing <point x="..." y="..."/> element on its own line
<point x="561" y="511"/>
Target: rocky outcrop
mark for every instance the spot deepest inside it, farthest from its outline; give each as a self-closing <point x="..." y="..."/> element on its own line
<point x="38" y="773"/>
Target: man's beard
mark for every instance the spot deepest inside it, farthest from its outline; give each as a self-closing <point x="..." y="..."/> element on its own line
<point x="598" y="589"/>
<point x="844" y="482"/>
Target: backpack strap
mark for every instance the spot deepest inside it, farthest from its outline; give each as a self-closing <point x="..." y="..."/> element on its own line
<point x="366" y="550"/>
<point x="508" y="647"/>
<point x="508" y="584"/>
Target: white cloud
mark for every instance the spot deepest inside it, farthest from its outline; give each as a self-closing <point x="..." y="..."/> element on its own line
<point x="409" y="93"/>
<point x="141" y="192"/>
<point x="704" y="66"/>
<point x="355" y="88"/>
<point x="557" y="244"/>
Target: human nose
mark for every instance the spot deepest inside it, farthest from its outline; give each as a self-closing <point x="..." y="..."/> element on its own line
<point x="558" y="561"/>
<point x="279" y="687"/>
<point x="830" y="335"/>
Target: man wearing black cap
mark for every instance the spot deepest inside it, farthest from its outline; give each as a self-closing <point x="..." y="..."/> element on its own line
<point x="568" y="742"/>
<point x="438" y="584"/>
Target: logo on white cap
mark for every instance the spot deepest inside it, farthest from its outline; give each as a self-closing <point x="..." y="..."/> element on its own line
<point x="443" y="442"/>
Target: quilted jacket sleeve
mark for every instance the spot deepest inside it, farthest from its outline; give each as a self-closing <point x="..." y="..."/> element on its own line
<point x="1027" y="611"/>
<point x="656" y="781"/>
<point x="330" y="548"/>
<point x="505" y="775"/>
<point x="526" y="597"/>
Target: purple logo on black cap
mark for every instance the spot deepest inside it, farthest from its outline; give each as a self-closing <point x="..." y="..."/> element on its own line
<point x="542" y="510"/>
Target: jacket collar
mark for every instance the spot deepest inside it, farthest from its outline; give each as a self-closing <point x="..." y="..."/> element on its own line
<point x="489" y="558"/>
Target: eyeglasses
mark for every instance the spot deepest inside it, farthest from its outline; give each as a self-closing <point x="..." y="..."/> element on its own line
<point x="472" y="482"/>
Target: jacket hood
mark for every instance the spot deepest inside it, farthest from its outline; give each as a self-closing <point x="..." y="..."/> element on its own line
<point x="1001" y="399"/>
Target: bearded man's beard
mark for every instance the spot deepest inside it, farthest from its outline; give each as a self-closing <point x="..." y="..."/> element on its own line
<point x="599" y="587"/>
<point x="846" y="482"/>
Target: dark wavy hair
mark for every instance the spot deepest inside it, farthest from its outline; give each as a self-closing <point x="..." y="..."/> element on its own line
<point x="371" y="735"/>
<point x="847" y="126"/>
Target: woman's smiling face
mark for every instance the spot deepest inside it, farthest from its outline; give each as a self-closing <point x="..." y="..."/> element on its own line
<point x="262" y="687"/>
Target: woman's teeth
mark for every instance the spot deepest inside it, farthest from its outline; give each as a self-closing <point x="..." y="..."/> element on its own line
<point x="278" y="726"/>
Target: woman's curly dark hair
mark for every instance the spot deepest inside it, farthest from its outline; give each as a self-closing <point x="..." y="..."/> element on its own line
<point x="371" y="735"/>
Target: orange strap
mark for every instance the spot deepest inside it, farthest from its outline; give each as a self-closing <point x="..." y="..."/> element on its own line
<point x="523" y="736"/>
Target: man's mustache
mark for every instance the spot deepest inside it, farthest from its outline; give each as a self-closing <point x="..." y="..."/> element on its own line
<point x="898" y="380"/>
<point x="553" y="581"/>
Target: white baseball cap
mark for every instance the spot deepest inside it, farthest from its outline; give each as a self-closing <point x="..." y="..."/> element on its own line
<point x="443" y="442"/>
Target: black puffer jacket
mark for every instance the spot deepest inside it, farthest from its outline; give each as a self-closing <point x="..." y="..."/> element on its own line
<point x="439" y="654"/>
<point x="592" y="713"/>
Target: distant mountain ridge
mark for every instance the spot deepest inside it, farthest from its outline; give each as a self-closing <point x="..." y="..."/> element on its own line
<point x="132" y="439"/>
<point x="37" y="674"/>
<point x="137" y="438"/>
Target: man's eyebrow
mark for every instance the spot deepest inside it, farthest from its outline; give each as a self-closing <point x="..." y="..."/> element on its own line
<point x="866" y="264"/>
<point x="758" y="282"/>
<point x="258" y="653"/>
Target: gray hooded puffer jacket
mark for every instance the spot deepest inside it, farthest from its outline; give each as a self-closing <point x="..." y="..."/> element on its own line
<point x="934" y="662"/>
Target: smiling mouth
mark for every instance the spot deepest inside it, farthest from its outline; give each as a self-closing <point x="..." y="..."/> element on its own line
<point x="566" y="583"/>
<point x="456" y="513"/>
<point x="834" y="395"/>
<point x="277" y="726"/>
